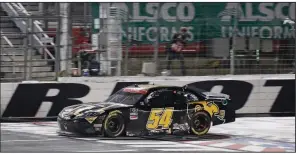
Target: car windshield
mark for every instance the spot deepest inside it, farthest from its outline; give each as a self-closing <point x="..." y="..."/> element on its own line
<point x="123" y="97"/>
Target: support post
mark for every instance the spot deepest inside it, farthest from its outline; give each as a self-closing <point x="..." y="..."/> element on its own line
<point x="69" y="40"/>
<point x="64" y="37"/>
<point x="41" y="8"/>
<point x="156" y="48"/>
<point x="30" y="51"/>
<point x="232" y="52"/>
<point x="58" y="33"/>
<point x="26" y="46"/>
<point x="46" y="13"/>
<point x="127" y="45"/>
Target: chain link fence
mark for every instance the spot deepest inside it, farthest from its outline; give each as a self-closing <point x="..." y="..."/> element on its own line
<point x="241" y="45"/>
<point x="216" y="46"/>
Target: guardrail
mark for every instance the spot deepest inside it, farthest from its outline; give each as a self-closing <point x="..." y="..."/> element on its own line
<point x="17" y="10"/>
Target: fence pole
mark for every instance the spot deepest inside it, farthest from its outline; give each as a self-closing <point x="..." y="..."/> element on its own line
<point x="119" y="35"/>
<point x="31" y="47"/>
<point x="57" y="53"/>
<point x="69" y="39"/>
<point x="156" y="48"/>
<point x="46" y="13"/>
<point x="127" y="45"/>
<point x="26" y="43"/>
<point x="63" y="35"/>
<point x="232" y="52"/>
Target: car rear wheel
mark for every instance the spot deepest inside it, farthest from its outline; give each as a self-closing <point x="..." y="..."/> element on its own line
<point x="200" y="123"/>
<point x="114" y="125"/>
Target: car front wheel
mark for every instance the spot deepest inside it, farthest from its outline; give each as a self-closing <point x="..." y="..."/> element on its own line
<point x="114" y="125"/>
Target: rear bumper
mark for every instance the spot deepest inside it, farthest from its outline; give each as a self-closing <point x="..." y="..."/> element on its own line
<point x="230" y="114"/>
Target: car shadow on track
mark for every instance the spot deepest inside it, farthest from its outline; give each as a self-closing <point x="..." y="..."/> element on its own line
<point x="176" y="138"/>
<point x="206" y="137"/>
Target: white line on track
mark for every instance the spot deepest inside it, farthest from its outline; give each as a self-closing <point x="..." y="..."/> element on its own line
<point x="86" y="139"/>
<point x="252" y="148"/>
<point x="9" y="132"/>
<point x="156" y="145"/>
<point x="136" y="142"/>
<point x="28" y="140"/>
<point x="103" y="151"/>
<point x="196" y="149"/>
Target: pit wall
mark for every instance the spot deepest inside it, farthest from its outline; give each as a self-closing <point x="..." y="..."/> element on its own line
<point x="250" y="93"/>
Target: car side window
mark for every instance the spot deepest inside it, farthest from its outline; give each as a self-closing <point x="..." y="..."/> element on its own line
<point x="180" y="97"/>
<point x="180" y="101"/>
<point x="158" y="99"/>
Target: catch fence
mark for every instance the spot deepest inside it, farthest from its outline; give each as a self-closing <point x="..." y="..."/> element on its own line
<point x="82" y="33"/>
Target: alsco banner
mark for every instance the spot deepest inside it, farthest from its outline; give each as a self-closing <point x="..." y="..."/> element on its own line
<point x="206" y="20"/>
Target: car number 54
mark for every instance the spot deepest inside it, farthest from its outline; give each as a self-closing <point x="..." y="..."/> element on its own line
<point x="160" y="117"/>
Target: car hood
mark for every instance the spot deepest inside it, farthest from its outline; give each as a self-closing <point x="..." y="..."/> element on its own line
<point x="96" y="107"/>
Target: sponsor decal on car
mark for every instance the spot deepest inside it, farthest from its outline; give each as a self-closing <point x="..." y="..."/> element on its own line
<point x="133" y="115"/>
<point x="97" y="125"/>
<point x="198" y="108"/>
<point x="100" y="111"/>
<point x="90" y="119"/>
<point x="221" y="115"/>
<point x="82" y="108"/>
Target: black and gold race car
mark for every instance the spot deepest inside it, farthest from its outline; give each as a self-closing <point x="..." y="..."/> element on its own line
<point x="149" y="109"/>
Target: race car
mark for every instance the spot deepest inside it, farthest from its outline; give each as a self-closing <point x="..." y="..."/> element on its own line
<point x="140" y="110"/>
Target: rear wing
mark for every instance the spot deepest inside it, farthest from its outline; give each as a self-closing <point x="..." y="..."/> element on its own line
<point x="208" y="95"/>
<point x="215" y="96"/>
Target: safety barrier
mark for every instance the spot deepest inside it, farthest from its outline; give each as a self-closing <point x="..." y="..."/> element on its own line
<point x="251" y="94"/>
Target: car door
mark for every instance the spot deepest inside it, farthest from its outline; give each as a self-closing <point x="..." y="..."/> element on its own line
<point x="180" y="106"/>
<point x="161" y="110"/>
<point x="155" y="112"/>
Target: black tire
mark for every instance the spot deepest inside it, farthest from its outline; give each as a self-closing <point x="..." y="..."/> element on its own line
<point x="196" y="126"/>
<point x="114" y="125"/>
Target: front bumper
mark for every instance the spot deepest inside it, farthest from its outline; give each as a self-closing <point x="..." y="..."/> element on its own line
<point x="76" y="127"/>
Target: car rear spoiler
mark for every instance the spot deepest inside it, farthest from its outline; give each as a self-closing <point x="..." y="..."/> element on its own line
<point x="215" y="96"/>
<point x="208" y="95"/>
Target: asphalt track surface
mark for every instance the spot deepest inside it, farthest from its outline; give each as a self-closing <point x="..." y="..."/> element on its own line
<point x="274" y="134"/>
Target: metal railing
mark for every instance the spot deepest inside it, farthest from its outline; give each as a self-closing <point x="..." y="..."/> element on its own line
<point x="3" y="50"/>
<point x="6" y="39"/>
<point x="17" y="10"/>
